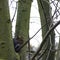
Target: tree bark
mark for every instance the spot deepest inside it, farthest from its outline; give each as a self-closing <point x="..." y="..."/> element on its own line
<point x="22" y="24"/>
<point x="6" y="43"/>
<point x="44" y="10"/>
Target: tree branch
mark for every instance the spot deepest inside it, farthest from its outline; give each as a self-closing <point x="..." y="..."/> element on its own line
<point x="44" y="39"/>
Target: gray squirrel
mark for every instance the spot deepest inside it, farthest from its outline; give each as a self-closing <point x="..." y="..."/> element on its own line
<point x="18" y="41"/>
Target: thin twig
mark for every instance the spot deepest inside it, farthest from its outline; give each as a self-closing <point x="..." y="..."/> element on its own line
<point x="32" y="36"/>
<point x="14" y="13"/>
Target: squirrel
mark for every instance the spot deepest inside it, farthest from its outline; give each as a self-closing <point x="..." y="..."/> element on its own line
<point x="18" y="41"/>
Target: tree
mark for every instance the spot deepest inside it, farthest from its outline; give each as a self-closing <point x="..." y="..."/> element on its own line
<point x="45" y="14"/>
<point x="7" y="51"/>
<point x="22" y="24"/>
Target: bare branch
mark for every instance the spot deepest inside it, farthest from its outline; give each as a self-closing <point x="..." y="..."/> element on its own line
<point x="44" y="39"/>
<point x="14" y="13"/>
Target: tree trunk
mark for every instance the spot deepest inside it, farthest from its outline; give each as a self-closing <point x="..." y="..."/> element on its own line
<point x="6" y="43"/>
<point x="22" y="24"/>
<point x="46" y="22"/>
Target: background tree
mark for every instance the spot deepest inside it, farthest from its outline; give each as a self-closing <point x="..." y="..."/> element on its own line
<point x="45" y="14"/>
